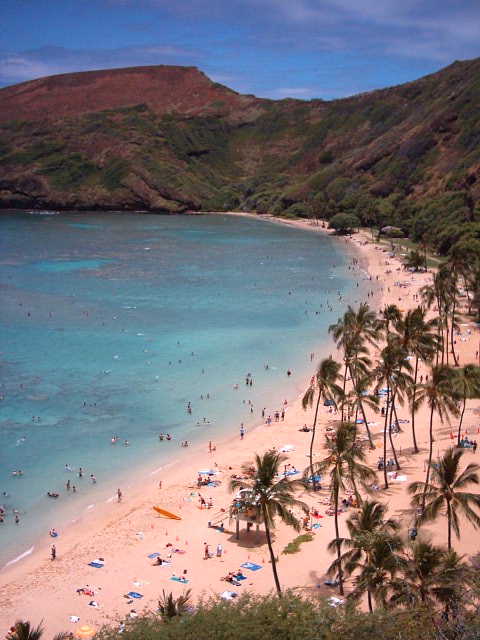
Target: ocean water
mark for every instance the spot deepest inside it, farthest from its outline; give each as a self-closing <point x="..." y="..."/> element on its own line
<point x="111" y="323"/>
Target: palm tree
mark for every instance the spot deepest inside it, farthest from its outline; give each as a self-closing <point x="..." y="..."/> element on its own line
<point x="24" y="630"/>
<point x="350" y="333"/>
<point x="170" y="607"/>
<point x="357" y="469"/>
<point x="368" y="551"/>
<point x="359" y="396"/>
<point x="439" y="393"/>
<point x="468" y="382"/>
<point x="389" y="371"/>
<point x="414" y="260"/>
<point x="446" y="493"/>
<point x="390" y="315"/>
<point x="376" y="572"/>
<point x="435" y="294"/>
<point x="415" y="335"/>
<point x="430" y="575"/>
<point x="325" y="383"/>
<point x="270" y="496"/>
<point x="344" y="465"/>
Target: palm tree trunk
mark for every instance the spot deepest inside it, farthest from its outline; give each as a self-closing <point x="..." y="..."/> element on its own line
<point x="446" y="337"/>
<point x="385" y="443"/>
<point x="314" y="426"/>
<point x="360" y="404"/>
<point x="355" y="488"/>
<point x="344" y="387"/>
<point x="390" y="433"/>
<point x="461" y="417"/>
<point x="414" y="393"/>
<point x="449" y="518"/>
<point x="369" y="595"/>
<point x="372" y="446"/>
<point x="337" y="536"/>
<point x="452" y="341"/>
<point x="272" y="555"/>
<point x="427" y="477"/>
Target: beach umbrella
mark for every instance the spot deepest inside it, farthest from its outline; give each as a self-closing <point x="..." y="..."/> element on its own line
<point x="85" y="631"/>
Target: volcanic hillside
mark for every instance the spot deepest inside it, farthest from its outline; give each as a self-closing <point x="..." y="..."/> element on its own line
<point x="169" y="139"/>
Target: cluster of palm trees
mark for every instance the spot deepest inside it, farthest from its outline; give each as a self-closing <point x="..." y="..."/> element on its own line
<point x="393" y="572"/>
<point x="412" y="369"/>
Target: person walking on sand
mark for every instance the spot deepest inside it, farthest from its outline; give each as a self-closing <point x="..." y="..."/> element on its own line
<point x="53" y="552"/>
<point x="206" y="551"/>
<point x="119" y="495"/>
<point x="219" y="550"/>
<point x="242" y="431"/>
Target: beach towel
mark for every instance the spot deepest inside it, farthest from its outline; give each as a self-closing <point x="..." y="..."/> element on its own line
<point x="240" y="577"/>
<point x="290" y="473"/>
<point x="153" y="555"/>
<point x="97" y="565"/>
<point x="178" y="579"/>
<point x="134" y="594"/>
<point x="228" y="595"/>
<point x="251" y="565"/>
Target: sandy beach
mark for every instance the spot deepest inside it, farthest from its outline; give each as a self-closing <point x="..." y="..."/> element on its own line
<point x="124" y="534"/>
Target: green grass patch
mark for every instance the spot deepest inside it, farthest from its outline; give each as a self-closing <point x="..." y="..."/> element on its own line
<point x="294" y="545"/>
<point x="113" y="174"/>
<point x="70" y="171"/>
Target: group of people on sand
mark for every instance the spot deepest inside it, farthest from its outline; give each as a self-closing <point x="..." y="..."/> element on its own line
<point x="466" y="443"/>
<point x="234" y="577"/>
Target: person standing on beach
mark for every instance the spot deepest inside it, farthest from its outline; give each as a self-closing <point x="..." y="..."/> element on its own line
<point x="242" y="431"/>
<point x="53" y="552"/>
<point x="119" y="495"/>
<point x="206" y="551"/>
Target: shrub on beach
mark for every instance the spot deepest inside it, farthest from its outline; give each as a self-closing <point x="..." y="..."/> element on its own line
<point x="344" y="223"/>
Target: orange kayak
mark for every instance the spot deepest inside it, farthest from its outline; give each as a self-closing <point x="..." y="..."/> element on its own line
<point x="167" y="514"/>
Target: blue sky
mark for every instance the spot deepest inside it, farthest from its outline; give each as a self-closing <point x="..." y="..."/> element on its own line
<point x="272" y="48"/>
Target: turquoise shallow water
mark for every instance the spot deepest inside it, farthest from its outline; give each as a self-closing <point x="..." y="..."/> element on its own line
<point x="112" y="323"/>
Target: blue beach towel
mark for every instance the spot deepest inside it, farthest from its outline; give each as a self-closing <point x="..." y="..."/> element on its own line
<point x="251" y="565"/>
<point x="97" y="565"/>
<point x="134" y="594"/>
<point x="290" y="473"/>
<point x="240" y="577"/>
<point x="177" y="579"/>
<point x="153" y="555"/>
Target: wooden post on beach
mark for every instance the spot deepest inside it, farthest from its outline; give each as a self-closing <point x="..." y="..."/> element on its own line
<point x="237" y="528"/>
